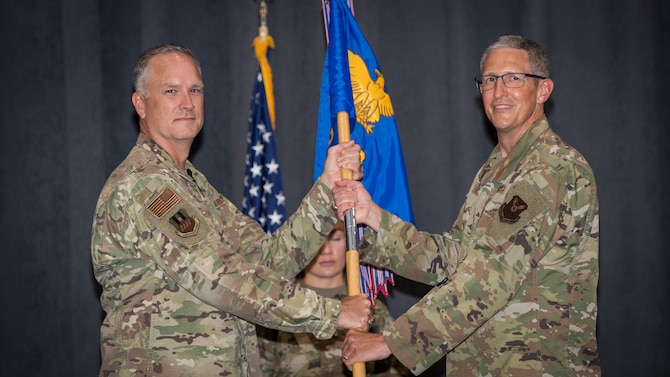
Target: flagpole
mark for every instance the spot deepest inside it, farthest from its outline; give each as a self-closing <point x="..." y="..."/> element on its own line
<point x="352" y="255"/>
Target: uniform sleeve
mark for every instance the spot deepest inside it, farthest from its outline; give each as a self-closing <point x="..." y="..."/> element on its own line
<point x="222" y="271"/>
<point x="513" y="233"/>
<point x="390" y="366"/>
<point x="293" y="245"/>
<point x="416" y="255"/>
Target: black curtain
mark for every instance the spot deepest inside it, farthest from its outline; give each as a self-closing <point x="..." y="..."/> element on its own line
<point x="67" y="121"/>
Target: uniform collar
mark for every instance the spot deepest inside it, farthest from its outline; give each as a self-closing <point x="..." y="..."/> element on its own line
<point x="529" y="137"/>
<point x="148" y="144"/>
<point x="496" y="166"/>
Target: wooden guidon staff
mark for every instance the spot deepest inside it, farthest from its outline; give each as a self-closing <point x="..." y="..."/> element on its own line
<point x="352" y="256"/>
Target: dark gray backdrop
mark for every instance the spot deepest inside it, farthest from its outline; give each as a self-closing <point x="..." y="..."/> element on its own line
<point x="67" y="121"/>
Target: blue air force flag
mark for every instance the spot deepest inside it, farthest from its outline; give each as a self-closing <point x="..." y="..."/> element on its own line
<point x="353" y="82"/>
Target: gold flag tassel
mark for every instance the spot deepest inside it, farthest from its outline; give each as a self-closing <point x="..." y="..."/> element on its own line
<point x="261" y="44"/>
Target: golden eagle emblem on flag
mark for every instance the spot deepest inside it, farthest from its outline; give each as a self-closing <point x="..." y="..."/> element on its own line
<point x="370" y="99"/>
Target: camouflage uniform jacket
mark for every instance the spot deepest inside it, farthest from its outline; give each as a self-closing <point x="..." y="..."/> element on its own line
<point x="516" y="277"/>
<point x="183" y="272"/>
<point x="285" y="354"/>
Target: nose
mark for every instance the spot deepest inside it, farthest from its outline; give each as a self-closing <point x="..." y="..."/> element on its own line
<point x="327" y="249"/>
<point x="187" y="102"/>
<point x="499" y="88"/>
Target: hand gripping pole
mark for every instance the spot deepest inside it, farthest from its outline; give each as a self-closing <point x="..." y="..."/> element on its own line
<point x="352" y="256"/>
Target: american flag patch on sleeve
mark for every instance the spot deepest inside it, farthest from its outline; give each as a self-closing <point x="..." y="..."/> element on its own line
<point x="163" y="203"/>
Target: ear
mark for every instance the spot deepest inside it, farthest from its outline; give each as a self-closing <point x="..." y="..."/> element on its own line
<point x="544" y="89"/>
<point x="138" y="103"/>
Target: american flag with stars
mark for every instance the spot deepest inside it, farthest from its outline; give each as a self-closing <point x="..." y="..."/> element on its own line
<point x="264" y="195"/>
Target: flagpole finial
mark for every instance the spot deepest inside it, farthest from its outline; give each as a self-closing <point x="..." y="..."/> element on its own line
<point x="263" y="30"/>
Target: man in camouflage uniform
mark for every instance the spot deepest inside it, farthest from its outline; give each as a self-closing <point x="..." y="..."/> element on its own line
<point x="516" y="277"/>
<point x="182" y="270"/>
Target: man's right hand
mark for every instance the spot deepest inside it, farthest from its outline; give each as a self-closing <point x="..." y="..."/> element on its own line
<point x="355" y="313"/>
<point x="362" y="346"/>
<point x="342" y="156"/>
<point x="352" y="194"/>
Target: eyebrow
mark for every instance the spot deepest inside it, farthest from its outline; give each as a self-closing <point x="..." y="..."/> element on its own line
<point x="173" y="85"/>
<point x="503" y="73"/>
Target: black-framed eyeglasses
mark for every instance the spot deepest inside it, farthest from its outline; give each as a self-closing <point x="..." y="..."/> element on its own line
<point x="511" y="80"/>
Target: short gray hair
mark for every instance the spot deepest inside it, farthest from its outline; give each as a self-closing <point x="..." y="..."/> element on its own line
<point x="538" y="59"/>
<point x="142" y="66"/>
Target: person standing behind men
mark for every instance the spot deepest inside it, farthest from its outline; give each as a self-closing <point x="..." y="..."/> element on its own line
<point x="183" y="272"/>
<point x="285" y="354"/>
<point x="516" y="277"/>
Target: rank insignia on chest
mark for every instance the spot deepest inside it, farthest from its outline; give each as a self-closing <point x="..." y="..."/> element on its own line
<point x="511" y="211"/>
<point x="185" y="224"/>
